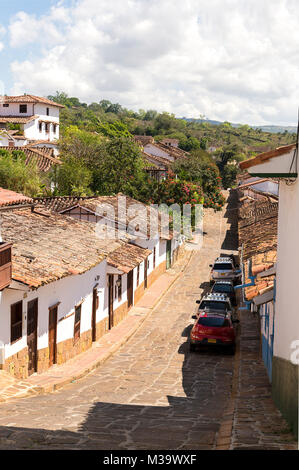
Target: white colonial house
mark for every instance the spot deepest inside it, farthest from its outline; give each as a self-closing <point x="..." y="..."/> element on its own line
<point x="36" y="120"/>
<point x="62" y="286"/>
<point x="282" y="163"/>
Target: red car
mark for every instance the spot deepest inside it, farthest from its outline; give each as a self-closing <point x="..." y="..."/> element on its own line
<point x="213" y="329"/>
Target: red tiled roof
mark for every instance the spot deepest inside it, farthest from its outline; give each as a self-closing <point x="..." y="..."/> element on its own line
<point x="127" y="257"/>
<point x="143" y="139"/>
<point x="262" y="157"/>
<point x="258" y="227"/>
<point x="163" y="161"/>
<point x="63" y="204"/>
<point x="30" y="99"/>
<point x="49" y="247"/>
<point x="17" y="119"/>
<point x="42" y="157"/>
<point x="8" y="198"/>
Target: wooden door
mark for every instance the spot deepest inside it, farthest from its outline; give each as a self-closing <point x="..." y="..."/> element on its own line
<point x="145" y="273"/>
<point x="110" y="300"/>
<point x="95" y="305"/>
<point x="130" y="288"/>
<point x="52" y="335"/>
<point x="168" y="254"/>
<point x="32" y="317"/>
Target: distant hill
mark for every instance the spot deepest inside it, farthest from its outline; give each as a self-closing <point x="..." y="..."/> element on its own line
<point x="271" y="128"/>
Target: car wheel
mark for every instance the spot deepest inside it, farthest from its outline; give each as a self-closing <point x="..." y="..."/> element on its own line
<point x="232" y="350"/>
<point x="192" y="347"/>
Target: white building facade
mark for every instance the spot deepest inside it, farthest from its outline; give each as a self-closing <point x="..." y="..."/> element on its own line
<point x="283" y="163"/>
<point x="37" y="118"/>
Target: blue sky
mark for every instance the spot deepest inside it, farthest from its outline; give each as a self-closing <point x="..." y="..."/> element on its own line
<point x="8" y="9"/>
<point x="234" y="60"/>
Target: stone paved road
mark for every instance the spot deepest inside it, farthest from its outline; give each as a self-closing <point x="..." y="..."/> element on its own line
<point x="152" y="394"/>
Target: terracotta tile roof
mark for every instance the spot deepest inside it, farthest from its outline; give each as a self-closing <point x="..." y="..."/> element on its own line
<point x="258" y="228"/>
<point x="262" y="157"/>
<point x="17" y="119"/>
<point x="29" y="99"/>
<point x="127" y="257"/>
<point x="159" y="160"/>
<point x="33" y="143"/>
<point x="94" y="203"/>
<point x="49" y="247"/>
<point x="61" y="204"/>
<point x="42" y="157"/>
<point x="257" y="211"/>
<point x="143" y="139"/>
<point x="8" y="198"/>
<point x="261" y="263"/>
<point x="172" y="141"/>
<point x="174" y="152"/>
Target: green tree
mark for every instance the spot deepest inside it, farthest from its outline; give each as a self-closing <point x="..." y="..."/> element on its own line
<point x="73" y="178"/>
<point x="18" y="176"/>
<point x="120" y="168"/>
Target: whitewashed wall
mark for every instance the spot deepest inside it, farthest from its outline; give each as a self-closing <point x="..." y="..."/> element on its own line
<point x="287" y="305"/>
<point x="69" y="291"/>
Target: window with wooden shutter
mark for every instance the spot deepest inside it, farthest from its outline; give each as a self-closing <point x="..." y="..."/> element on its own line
<point x="16" y="314"/>
<point x="154" y="258"/>
<point x="138" y="272"/>
<point x="77" y="323"/>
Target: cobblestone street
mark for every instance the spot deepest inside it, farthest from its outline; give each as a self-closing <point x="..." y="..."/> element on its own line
<point x="153" y="393"/>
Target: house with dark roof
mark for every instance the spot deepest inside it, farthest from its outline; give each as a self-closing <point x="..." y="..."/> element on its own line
<point x="282" y="163"/>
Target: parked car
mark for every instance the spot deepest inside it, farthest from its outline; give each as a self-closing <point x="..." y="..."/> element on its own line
<point x="225" y="287"/>
<point x="215" y="302"/>
<point x="224" y="268"/>
<point x="213" y="329"/>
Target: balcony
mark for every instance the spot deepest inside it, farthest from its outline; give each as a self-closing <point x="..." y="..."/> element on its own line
<point x="5" y="264"/>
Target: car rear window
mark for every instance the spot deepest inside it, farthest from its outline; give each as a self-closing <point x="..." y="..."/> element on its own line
<point x="213" y="321"/>
<point x="210" y="304"/>
<point x="222" y="288"/>
<point x="223" y="266"/>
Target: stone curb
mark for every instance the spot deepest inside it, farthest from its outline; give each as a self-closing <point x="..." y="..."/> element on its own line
<point x="51" y="387"/>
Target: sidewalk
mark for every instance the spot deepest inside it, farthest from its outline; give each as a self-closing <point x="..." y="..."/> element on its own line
<point x="76" y="368"/>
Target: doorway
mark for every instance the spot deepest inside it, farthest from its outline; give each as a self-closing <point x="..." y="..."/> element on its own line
<point x="95" y="305"/>
<point x="130" y="288"/>
<point x="110" y="299"/>
<point x="52" y="335"/>
<point x="32" y="316"/>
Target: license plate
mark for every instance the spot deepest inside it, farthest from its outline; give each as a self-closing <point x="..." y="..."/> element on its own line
<point x="210" y="340"/>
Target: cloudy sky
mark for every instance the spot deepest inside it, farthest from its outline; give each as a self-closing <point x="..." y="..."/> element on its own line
<point x="235" y="60"/>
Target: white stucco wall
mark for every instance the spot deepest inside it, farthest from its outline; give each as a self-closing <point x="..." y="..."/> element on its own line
<point x="14" y="110"/>
<point x="287" y="305"/>
<point x="70" y="291"/>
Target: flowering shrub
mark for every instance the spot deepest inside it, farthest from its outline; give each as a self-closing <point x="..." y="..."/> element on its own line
<point x="173" y="190"/>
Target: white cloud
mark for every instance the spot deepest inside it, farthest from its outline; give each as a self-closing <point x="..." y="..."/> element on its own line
<point x="233" y="60"/>
<point x="2" y="33"/>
